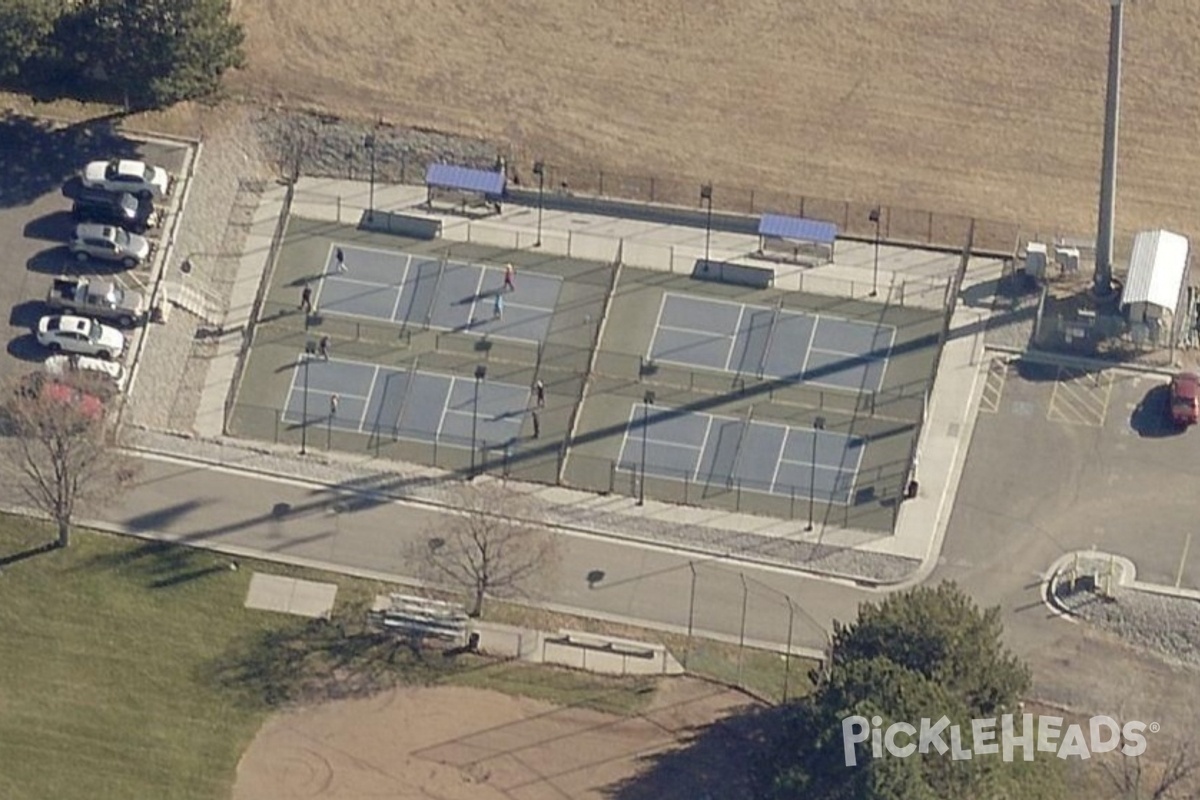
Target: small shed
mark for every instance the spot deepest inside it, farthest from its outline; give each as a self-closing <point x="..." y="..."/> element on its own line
<point x="802" y="239"/>
<point x="1155" y="285"/>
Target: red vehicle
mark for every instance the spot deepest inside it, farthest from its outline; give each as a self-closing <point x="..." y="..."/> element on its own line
<point x="1185" y="399"/>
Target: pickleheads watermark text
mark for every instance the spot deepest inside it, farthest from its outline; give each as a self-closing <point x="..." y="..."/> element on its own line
<point x="1102" y="734"/>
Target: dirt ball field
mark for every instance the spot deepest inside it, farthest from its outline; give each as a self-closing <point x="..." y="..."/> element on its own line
<point x="993" y="110"/>
<point x="454" y="743"/>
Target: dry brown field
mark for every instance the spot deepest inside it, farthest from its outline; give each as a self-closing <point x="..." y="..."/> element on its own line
<point x="987" y="109"/>
<point x="453" y="743"/>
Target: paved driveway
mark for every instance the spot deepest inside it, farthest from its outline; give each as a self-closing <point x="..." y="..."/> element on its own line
<point x="36" y="160"/>
<point x="1064" y="460"/>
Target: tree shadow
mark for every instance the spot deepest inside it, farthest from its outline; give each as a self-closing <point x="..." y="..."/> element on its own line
<point x="14" y="558"/>
<point x="37" y="157"/>
<point x="318" y="660"/>
<point x="721" y="760"/>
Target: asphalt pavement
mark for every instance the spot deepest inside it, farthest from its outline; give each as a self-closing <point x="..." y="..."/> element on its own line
<point x="596" y="576"/>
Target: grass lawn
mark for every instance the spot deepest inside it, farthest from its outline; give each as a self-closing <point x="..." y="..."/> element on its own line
<point x="132" y="669"/>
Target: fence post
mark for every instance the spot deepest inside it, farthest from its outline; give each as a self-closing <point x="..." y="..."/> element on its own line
<point x="278" y="414"/>
<point x="930" y="239"/>
<point x="751" y="201"/>
<point x="570" y="235"/>
<point x="651" y="188"/>
<point x="601" y="187"/>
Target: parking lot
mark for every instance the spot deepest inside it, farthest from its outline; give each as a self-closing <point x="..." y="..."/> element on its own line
<point x="1064" y="459"/>
<point x="35" y="220"/>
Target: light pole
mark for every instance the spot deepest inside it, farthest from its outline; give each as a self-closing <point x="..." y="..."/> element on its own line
<point x="1102" y="280"/>
<point x="874" y="217"/>
<point x="539" y="169"/>
<point x="480" y="374"/>
<point x="691" y="613"/>
<point x="818" y="426"/>
<point x="706" y="197"/>
<point x="369" y="143"/>
<point x="647" y="401"/>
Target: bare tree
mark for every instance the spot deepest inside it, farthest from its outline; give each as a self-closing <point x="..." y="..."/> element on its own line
<point x="1173" y="777"/>
<point x="491" y="547"/>
<point x="62" y="457"/>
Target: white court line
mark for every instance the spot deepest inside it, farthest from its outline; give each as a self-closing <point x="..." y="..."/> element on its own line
<point x="360" y="282"/>
<point x="478" y="288"/>
<point x="703" y="446"/>
<point x="886" y="361"/>
<point x="662" y="303"/>
<point x="808" y="348"/>
<point x="400" y="289"/>
<point x="437" y="435"/>
<point x="778" y="461"/>
<point x="867" y="356"/>
<point x="733" y="337"/>
<point x="697" y="331"/>
<point x="360" y="248"/>
<point x="362" y="420"/>
<point x="714" y="300"/>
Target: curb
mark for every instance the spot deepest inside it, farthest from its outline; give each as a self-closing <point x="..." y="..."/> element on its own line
<point x="1127" y="580"/>
<point x="1082" y="362"/>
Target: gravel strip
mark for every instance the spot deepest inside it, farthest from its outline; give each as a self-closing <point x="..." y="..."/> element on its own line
<point x="1162" y="623"/>
<point x="229" y="177"/>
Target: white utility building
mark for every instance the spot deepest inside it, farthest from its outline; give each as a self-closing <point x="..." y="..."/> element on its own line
<point x="1156" y="283"/>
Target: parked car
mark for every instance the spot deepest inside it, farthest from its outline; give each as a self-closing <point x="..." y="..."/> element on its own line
<point x="1185" y="399"/>
<point x="114" y="208"/>
<point x="102" y="300"/>
<point x="108" y="243"/>
<point x="87" y="337"/>
<point x="55" y="390"/>
<point x="127" y="175"/>
<point x="63" y="366"/>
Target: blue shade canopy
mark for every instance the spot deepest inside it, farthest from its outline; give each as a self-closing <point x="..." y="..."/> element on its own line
<point x="449" y="176"/>
<point x="799" y="228"/>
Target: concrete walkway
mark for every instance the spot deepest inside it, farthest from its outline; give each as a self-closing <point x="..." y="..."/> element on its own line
<point x="905" y="557"/>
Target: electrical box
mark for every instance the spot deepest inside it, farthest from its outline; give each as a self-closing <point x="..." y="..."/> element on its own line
<point x="1068" y="259"/>
<point x="1036" y="256"/>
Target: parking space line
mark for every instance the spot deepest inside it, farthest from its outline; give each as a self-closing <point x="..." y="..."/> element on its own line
<point x="993" y="385"/>
<point x="1080" y="397"/>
